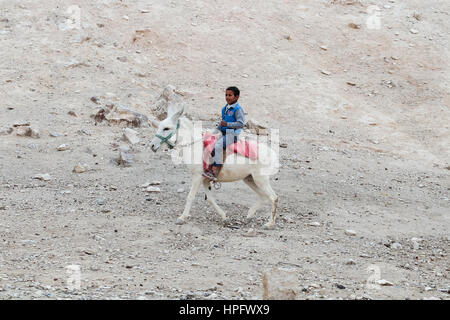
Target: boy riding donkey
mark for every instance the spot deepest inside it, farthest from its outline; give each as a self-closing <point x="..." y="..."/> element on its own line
<point x="231" y="126"/>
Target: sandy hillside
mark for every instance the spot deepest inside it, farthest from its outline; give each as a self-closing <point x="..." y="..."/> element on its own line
<point x="359" y="91"/>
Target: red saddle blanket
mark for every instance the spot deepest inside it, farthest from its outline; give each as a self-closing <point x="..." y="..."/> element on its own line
<point x="245" y="148"/>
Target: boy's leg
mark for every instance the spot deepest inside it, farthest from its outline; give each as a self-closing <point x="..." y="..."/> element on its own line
<point x="219" y="150"/>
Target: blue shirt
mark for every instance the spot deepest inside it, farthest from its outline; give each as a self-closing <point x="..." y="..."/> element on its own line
<point x="233" y="115"/>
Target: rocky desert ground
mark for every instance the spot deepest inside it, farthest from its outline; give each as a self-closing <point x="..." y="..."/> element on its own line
<point x="360" y="94"/>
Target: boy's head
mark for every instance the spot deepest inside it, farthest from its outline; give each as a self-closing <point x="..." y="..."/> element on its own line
<point x="232" y="95"/>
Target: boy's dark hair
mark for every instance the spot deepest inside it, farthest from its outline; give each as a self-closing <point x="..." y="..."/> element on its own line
<point x="235" y="90"/>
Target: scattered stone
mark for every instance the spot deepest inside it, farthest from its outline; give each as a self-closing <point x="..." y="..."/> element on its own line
<point x="351" y="83"/>
<point x="250" y="233"/>
<point x="95" y="100"/>
<point x="6" y="131"/>
<point x="153" y="183"/>
<point x="256" y="127"/>
<point x="75" y="63"/>
<point x="72" y="113"/>
<point x="414" y="31"/>
<point x="324" y="48"/>
<point x="153" y="189"/>
<point x="122" y="59"/>
<point x="350" y="262"/>
<point x="283" y="145"/>
<point x="314" y="224"/>
<point x="54" y="134"/>
<point x="62" y="147"/>
<point x="384" y="282"/>
<point x="21" y="124"/>
<point x="280" y="284"/>
<point x="325" y="72"/>
<point x="100" y="201"/>
<point x="396" y="246"/>
<point x="350" y="232"/>
<point x="44" y="177"/>
<point x="130" y="135"/>
<point x="80" y="168"/>
<point x="354" y="25"/>
<point x="339" y="286"/>
<point x="125" y="159"/>
<point x="25" y="131"/>
<point x="84" y="131"/>
<point x="181" y="190"/>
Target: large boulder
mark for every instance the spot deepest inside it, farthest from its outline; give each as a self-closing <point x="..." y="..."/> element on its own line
<point x="169" y="102"/>
<point x="120" y="115"/>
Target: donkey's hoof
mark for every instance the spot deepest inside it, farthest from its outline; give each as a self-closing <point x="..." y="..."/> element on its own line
<point x="180" y="221"/>
<point x="268" y="226"/>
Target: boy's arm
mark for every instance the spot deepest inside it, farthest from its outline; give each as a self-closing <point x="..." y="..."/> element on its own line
<point x="240" y="120"/>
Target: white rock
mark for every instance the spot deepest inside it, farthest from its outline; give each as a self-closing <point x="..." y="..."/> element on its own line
<point x="350" y="232"/>
<point x="396" y="245"/>
<point x="25" y="131"/>
<point x="130" y="135"/>
<point x="314" y="224"/>
<point x="181" y="190"/>
<point x="250" y="233"/>
<point x="414" y="31"/>
<point x="62" y="147"/>
<point x="153" y="189"/>
<point x="350" y="262"/>
<point x="125" y="159"/>
<point x="44" y="177"/>
<point x="384" y="282"/>
<point x="325" y="72"/>
<point x="6" y="131"/>
<point x="80" y="168"/>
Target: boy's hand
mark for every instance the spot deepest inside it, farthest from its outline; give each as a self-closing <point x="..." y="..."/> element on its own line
<point x="223" y="124"/>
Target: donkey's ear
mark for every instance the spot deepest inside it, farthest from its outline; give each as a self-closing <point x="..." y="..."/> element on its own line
<point x="177" y="114"/>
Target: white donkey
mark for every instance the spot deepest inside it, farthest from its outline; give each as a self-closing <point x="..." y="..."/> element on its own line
<point x="176" y="128"/>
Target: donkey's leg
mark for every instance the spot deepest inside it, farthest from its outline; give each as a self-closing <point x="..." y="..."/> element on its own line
<point x="197" y="179"/>
<point x="211" y="200"/>
<point x="251" y="183"/>
<point x="263" y="183"/>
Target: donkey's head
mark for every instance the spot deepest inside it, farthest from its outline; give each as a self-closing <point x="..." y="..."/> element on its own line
<point x="167" y="130"/>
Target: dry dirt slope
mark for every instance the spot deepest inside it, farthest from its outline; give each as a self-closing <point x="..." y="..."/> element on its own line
<point x="372" y="155"/>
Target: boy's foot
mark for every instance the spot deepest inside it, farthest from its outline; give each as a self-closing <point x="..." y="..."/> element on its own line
<point x="209" y="175"/>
